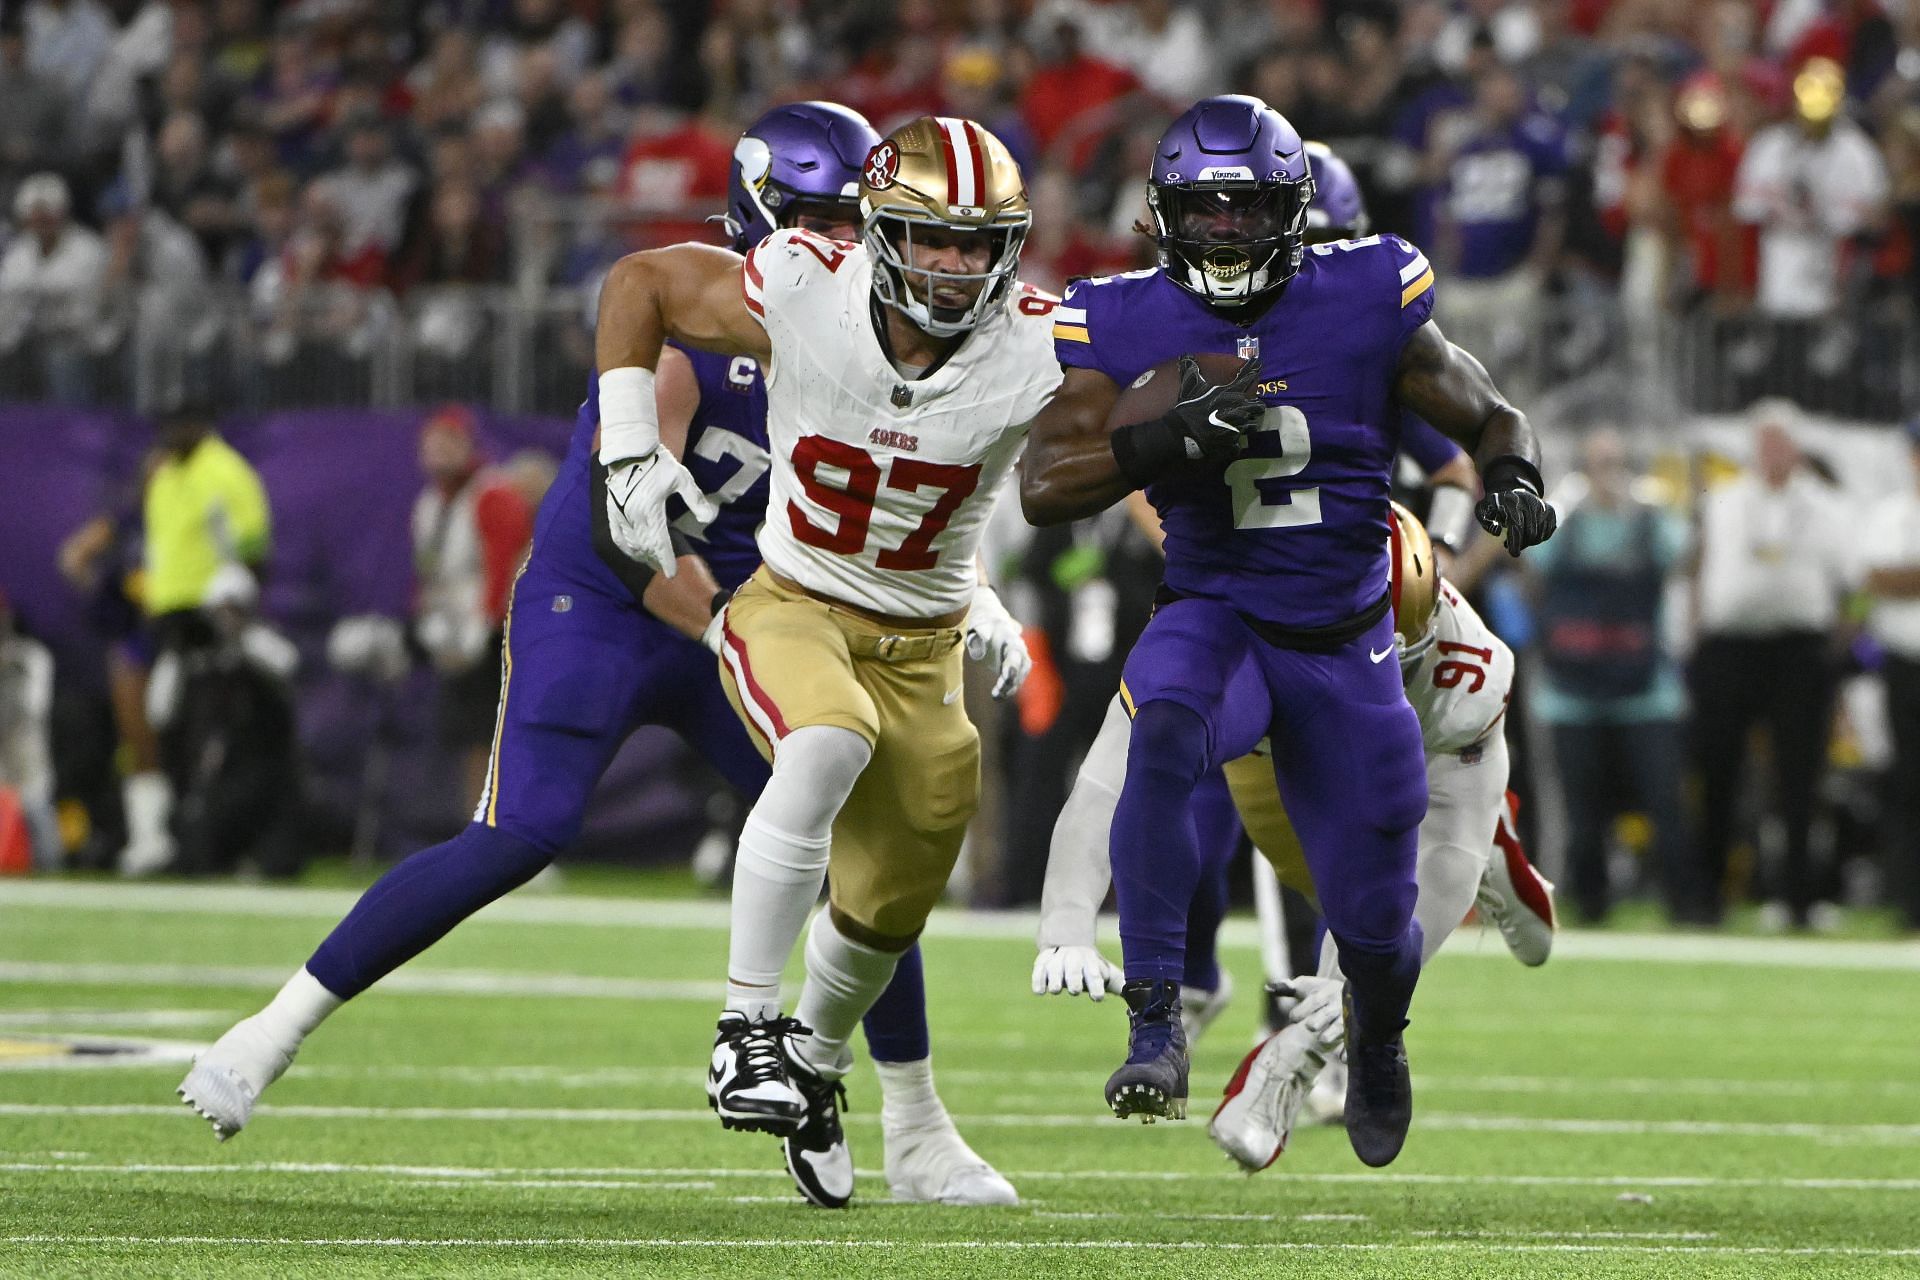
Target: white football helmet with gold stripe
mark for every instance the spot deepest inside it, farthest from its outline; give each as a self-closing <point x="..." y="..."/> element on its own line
<point x="940" y="172"/>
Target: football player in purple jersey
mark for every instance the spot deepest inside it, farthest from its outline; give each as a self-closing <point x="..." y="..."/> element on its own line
<point x="596" y="647"/>
<point x="1275" y="618"/>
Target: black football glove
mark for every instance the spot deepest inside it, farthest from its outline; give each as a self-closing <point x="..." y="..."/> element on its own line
<point x="1209" y="422"/>
<point x="1513" y="508"/>
<point x="1213" y="419"/>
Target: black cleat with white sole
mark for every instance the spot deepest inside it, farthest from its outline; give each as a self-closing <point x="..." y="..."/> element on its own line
<point x="816" y="1152"/>
<point x="1153" y="1082"/>
<point x="748" y="1083"/>
<point x="1379" y="1090"/>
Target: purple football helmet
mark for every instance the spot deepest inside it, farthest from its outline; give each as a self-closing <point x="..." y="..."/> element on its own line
<point x="801" y="155"/>
<point x="1229" y="193"/>
<point x="1339" y="211"/>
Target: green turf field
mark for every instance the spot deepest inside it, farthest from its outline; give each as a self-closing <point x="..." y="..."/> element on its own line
<point x="526" y="1099"/>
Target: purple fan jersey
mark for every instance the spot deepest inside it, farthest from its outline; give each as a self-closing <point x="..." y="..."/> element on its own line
<point x="727" y="453"/>
<point x="1295" y="531"/>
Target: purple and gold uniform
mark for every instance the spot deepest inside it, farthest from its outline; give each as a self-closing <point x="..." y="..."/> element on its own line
<point x="585" y="664"/>
<point x="1295" y="531"/>
<point x="1275" y="615"/>
<point x="583" y="667"/>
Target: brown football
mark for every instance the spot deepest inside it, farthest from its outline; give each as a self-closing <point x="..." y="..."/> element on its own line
<point x="1155" y="391"/>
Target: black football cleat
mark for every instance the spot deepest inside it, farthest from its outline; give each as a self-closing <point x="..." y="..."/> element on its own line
<point x="747" y="1078"/>
<point x="1153" y="1081"/>
<point x="816" y="1152"/>
<point x="1379" y="1090"/>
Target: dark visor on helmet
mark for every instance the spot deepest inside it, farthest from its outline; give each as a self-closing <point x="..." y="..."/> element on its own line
<point x="1235" y="214"/>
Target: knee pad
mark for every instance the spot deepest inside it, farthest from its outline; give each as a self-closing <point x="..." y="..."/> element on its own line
<point x="1371" y="921"/>
<point x="1169" y="738"/>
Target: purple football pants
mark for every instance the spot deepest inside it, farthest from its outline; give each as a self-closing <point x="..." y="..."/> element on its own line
<point x="1204" y="689"/>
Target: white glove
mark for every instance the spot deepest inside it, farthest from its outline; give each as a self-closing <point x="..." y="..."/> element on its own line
<point x="637" y="493"/>
<point x="1319" y="1007"/>
<point x="714" y="636"/>
<point x="1075" y="970"/>
<point x="994" y="636"/>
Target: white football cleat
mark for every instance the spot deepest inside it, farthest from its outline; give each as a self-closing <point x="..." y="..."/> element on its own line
<point x="934" y="1165"/>
<point x="1199" y="1007"/>
<point x="227" y="1080"/>
<point x="816" y="1152"/>
<point x="1255" y="1118"/>
<point x="1266" y="1095"/>
<point x="749" y="1079"/>
<point x="1515" y="896"/>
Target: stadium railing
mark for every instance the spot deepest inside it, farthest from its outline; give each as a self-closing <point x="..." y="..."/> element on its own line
<point x="1571" y="359"/>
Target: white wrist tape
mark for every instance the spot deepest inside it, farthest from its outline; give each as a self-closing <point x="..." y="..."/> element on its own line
<point x="629" y="418"/>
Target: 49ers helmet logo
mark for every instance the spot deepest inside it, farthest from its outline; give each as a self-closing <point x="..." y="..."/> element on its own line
<point x="883" y="165"/>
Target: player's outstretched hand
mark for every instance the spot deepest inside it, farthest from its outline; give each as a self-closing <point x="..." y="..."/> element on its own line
<point x="1075" y="970"/>
<point x="994" y="637"/>
<point x="637" y="493"/>
<point x="1216" y="417"/>
<point x="1513" y="507"/>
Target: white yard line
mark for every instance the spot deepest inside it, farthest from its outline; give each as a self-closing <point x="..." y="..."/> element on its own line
<point x="990" y="1246"/>
<point x="1898" y="1134"/>
<point x="117" y="1019"/>
<point x="640" y="1176"/>
<point x="612" y="1077"/>
<point x="568" y="909"/>
<point x="443" y="982"/>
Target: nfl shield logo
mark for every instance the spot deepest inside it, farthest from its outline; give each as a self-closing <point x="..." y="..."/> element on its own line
<point x="902" y="395"/>
<point x="1248" y="347"/>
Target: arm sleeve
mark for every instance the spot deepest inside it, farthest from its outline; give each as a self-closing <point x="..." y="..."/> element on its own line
<point x="1078" y="872"/>
<point x="1423" y="442"/>
<point x="246" y="507"/>
<point x="506" y="526"/>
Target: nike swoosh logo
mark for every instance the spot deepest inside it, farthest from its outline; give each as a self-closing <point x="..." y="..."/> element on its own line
<point x="1215" y="418"/>
<point x="952" y="697"/>
<point x="1380" y="656"/>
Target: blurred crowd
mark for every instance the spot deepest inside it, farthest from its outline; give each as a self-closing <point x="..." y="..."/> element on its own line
<point x="332" y="164"/>
<point x="246" y="205"/>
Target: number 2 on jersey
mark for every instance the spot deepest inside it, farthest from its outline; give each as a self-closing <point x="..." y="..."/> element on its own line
<point x="852" y="502"/>
<point x="1291" y="508"/>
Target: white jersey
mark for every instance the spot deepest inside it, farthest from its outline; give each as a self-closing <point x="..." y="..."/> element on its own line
<point x="882" y="484"/>
<point x="1459" y="687"/>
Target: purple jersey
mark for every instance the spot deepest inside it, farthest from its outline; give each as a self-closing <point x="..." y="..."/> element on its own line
<point x="1295" y="531"/>
<point x="727" y="453"/>
<point x="1498" y="185"/>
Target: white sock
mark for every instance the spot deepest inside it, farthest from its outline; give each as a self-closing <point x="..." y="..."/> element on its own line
<point x="783" y="858"/>
<point x="291" y="1016"/>
<point x="908" y="1099"/>
<point x="844" y="978"/>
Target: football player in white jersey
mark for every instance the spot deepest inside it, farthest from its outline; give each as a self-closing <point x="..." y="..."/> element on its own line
<point x="1458" y="676"/>
<point x="901" y="374"/>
